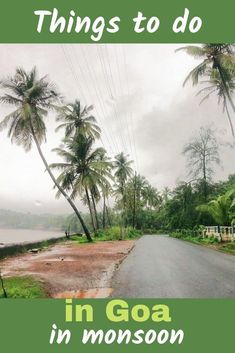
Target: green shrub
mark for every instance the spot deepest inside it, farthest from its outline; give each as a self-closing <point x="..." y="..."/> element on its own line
<point x="230" y="246"/>
<point x="133" y="233"/>
<point x="23" y="287"/>
<point x="153" y="231"/>
<point x="196" y="232"/>
<point x="117" y="233"/>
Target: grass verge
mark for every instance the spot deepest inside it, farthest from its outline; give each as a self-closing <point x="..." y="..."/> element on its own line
<point x="22" y="288"/>
<point x="228" y="248"/>
<point x="110" y="234"/>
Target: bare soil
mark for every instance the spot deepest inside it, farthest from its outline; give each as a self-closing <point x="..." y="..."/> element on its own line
<point x="71" y="270"/>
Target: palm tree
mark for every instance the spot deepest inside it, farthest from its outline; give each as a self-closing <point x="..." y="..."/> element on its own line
<point x="123" y="171"/>
<point x="221" y="209"/>
<point x="151" y="196"/>
<point x="139" y="184"/>
<point x="82" y="171"/>
<point x="76" y="119"/>
<point x="216" y="57"/>
<point x="166" y="194"/>
<point x="215" y="85"/>
<point x="32" y="97"/>
<point x="95" y="198"/>
<point x="106" y="189"/>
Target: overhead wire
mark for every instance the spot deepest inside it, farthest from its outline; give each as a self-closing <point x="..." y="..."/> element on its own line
<point x="76" y="78"/>
<point x="127" y="141"/>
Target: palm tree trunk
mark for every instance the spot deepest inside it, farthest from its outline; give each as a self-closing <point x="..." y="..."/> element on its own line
<point x="124" y="212"/>
<point x="104" y="209"/>
<point x="229" y="119"/>
<point x="2" y="285"/>
<point x="90" y="209"/>
<point x="95" y="211"/>
<point x="204" y="180"/>
<point x="87" y="233"/>
<point x="226" y="90"/>
<point x="134" y="204"/>
<point x="108" y="216"/>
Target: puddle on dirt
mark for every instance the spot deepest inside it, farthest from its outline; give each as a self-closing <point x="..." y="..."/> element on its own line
<point x="88" y="293"/>
<point x="65" y="259"/>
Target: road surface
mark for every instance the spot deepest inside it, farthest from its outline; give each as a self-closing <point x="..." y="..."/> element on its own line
<point x="164" y="267"/>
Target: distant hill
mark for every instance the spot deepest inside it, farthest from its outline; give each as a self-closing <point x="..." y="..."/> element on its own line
<point x="12" y="219"/>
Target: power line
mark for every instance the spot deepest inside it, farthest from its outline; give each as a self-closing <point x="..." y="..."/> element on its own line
<point x="98" y="93"/>
<point x="111" y="86"/>
<point x="104" y="65"/>
<point x="76" y="78"/>
<point x="131" y="113"/>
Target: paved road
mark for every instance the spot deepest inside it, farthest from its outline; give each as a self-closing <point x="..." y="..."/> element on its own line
<point x="164" y="267"/>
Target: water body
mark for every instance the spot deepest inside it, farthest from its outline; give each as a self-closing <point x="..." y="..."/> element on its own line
<point x="18" y="236"/>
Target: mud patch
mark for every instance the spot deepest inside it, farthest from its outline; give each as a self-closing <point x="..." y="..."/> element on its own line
<point x="72" y="270"/>
<point x="88" y="293"/>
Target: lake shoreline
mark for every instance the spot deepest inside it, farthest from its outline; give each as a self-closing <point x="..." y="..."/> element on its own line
<point x="13" y="236"/>
<point x="18" y="248"/>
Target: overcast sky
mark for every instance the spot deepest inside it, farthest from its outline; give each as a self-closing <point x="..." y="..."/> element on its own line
<point x="139" y="102"/>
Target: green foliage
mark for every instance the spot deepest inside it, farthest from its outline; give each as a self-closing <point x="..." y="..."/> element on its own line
<point x="194" y="236"/>
<point x="23" y="287"/>
<point x="230" y="246"/>
<point x="32" y="97"/>
<point x="118" y="233"/>
<point x="86" y="171"/>
<point x="77" y="119"/>
<point x="184" y="233"/>
<point x="221" y="209"/>
<point x="217" y="67"/>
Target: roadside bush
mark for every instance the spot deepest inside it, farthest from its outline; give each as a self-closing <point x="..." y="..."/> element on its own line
<point x="195" y="236"/>
<point x="23" y="287"/>
<point x="118" y="233"/>
<point x="133" y="233"/>
<point x="196" y="232"/>
<point x="211" y="240"/>
<point x="154" y="231"/>
<point x="230" y="246"/>
<point x="114" y="233"/>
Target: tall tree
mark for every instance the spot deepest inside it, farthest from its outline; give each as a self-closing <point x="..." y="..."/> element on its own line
<point x="106" y="190"/>
<point x="122" y="171"/>
<point x="95" y="197"/>
<point x="151" y="196"/>
<point x="33" y="97"/>
<point x="82" y="170"/>
<point x="221" y="209"/>
<point x="214" y="85"/>
<point x="202" y="154"/>
<point x="215" y="57"/>
<point x="179" y="210"/>
<point x="77" y="120"/>
<point x="166" y="194"/>
<point x="139" y="184"/>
